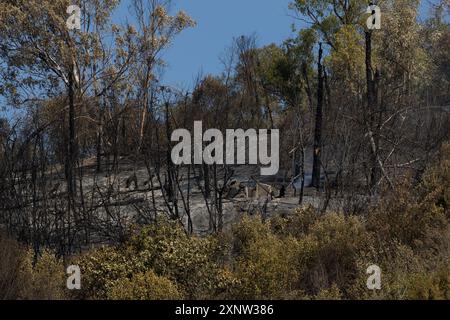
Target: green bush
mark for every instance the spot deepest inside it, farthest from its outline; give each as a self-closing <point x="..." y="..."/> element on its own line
<point x="163" y="248"/>
<point x="434" y="285"/>
<point x="48" y="278"/>
<point x="102" y="267"/>
<point x="24" y="276"/>
<point x="264" y="263"/>
<point x="144" y="286"/>
<point x="303" y="255"/>
<point x="189" y="260"/>
<point x="330" y="251"/>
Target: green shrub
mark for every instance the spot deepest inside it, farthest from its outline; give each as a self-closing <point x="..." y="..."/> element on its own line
<point x="329" y="253"/>
<point x="24" y="277"/>
<point x="188" y="260"/>
<point x="296" y="224"/>
<point x="144" y="286"/>
<point x="434" y="285"/>
<point x="436" y="180"/>
<point x="48" y="278"/>
<point x="265" y="264"/>
<point x="303" y="255"/>
<point x="102" y="267"/>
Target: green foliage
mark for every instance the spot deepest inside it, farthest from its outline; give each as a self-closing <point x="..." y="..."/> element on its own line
<point x="332" y="293"/>
<point x="283" y="69"/>
<point x="347" y="60"/>
<point x="167" y="249"/>
<point x="102" y="267"/>
<point x="334" y="243"/>
<point x="48" y="279"/>
<point x="22" y="276"/>
<point x="12" y="261"/>
<point x="302" y="255"/>
<point x="418" y="218"/>
<point x="327" y="16"/>
<point x="431" y="286"/>
<point x="144" y="286"/>
<point x="163" y="248"/>
<point x="264" y="263"/>
<point x="299" y="256"/>
<point x="296" y="224"/>
<point x="436" y="180"/>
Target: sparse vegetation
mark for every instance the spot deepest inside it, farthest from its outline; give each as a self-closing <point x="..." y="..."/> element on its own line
<point x="86" y="175"/>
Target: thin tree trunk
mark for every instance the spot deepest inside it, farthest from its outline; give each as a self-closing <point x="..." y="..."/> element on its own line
<point x="371" y="108"/>
<point x="206" y="179"/>
<point x="70" y="161"/>
<point x="315" y="181"/>
<point x="71" y="186"/>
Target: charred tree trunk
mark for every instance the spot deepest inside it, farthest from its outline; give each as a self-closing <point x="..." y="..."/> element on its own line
<point x="207" y="181"/>
<point x="302" y="174"/>
<point x="315" y="181"/>
<point x="70" y="163"/>
<point x="371" y="111"/>
<point x="71" y="148"/>
<point x="99" y="147"/>
<point x="171" y="177"/>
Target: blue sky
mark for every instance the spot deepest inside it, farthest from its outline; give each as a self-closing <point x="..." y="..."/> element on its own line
<point x="197" y="49"/>
<point x="218" y="21"/>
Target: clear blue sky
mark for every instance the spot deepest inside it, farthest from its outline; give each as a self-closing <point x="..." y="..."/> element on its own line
<point x="218" y="21"/>
<point x="197" y="50"/>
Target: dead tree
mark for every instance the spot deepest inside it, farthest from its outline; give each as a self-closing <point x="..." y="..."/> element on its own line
<point x="315" y="182"/>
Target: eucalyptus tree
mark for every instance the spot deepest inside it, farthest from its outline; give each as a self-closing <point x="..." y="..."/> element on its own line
<point x="45" y="59"/>
<point x="156" y="29"/>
